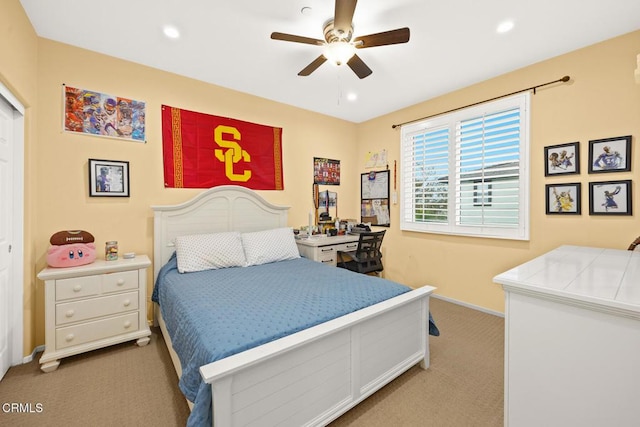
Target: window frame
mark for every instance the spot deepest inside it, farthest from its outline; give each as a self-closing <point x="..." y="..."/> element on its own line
<point x="450" y="120"/>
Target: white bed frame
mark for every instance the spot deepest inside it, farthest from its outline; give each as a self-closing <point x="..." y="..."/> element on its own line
<point x="311" y="377"/>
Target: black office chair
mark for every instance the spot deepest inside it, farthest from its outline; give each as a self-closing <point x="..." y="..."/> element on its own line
<point x="367" y="257"/>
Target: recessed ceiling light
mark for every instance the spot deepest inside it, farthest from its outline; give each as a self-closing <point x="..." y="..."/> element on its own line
<point x="171" y="31"/>
<point x="505" y="27"/>
<point x="351" y="96"/>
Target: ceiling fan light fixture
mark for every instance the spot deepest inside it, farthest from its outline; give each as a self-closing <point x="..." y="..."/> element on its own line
<point x="339" y="52"/>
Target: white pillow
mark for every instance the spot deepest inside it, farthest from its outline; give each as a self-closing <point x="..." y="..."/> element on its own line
<point x="262" y="247"/>
<point x="199" y="252"/>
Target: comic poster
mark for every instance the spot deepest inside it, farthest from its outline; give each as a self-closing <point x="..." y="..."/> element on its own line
<point x="326" y="171"/>
<point x="95" y="113"/>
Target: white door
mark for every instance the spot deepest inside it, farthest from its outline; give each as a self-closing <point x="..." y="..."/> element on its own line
<point x="6" y="211"/>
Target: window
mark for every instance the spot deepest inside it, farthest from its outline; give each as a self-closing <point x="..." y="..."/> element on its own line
<point x="466" y="172"/>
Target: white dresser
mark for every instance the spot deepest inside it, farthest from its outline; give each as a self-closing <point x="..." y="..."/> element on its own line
<point x="93" y="306"/>
<point x="572" y="339"/>
<point x="325" y="249"/>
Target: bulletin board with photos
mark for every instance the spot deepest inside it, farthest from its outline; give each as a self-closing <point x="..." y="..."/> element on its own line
<point x="374" y="198"/>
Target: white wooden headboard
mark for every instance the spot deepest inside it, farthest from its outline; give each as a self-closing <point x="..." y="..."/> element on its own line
<point x="223" y="208"/>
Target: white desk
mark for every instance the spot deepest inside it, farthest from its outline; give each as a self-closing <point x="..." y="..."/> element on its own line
<point x="325" y="249"/>
<point x="572" y="339"/>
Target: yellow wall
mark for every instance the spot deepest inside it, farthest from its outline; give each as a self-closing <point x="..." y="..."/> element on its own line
<point x="18" y="72"/>
<point x="61" y="166"/>
<point x="601" y="100"/>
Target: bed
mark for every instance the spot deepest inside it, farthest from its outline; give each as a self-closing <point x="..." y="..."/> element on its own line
<point x="309" y="375"/>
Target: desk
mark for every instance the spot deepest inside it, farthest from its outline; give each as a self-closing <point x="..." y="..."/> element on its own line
<point x="572" y="338"/>
<point x="325" y="249"/>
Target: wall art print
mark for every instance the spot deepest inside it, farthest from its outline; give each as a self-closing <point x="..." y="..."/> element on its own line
<point x="610" y="154"/>
<point x="326" y="171"/>
<point x="94" y="113"/>
<point x="108" y="178"/>
<point x="563" y="159"/>
<point x="563" y="198"/>
<point x="610" y="198"/>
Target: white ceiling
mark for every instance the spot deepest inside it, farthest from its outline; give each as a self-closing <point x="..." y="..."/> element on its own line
<point x="453" y="43"/>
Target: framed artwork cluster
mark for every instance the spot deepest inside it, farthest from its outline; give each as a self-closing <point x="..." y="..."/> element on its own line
<point x="612" y="197"/>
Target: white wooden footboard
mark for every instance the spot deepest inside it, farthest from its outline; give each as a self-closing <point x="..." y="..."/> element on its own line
<point x="314" y="376"/>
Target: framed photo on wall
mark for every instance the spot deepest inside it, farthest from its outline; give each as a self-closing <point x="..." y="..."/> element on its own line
<point x="563" y="199"/>
<point x="108" y="178"/>
<point x="563" y="159"/>
<point x="610" y="154"/>
<point x="610" y="198"/>
<point x="326" y="171"/>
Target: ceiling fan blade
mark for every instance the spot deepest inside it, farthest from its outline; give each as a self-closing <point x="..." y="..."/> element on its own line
<point x="343" y="15"/>
<point x="296" y="39"/>
<point x="313" y="66"/>
<point x="401" y="35"/>
<point x="359" y="67"/>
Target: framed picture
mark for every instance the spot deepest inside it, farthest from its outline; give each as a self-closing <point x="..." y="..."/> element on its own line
<point x="326" y="171"/>
<point x="563" y="159"/>
<point x="610" y="198"/>
<point x="108" y="178"/>
<point x="610" y="154"/>
<point x="563" y="198"/>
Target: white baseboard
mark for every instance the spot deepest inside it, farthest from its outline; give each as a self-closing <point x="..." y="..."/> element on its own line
<point x="28" y="359"/>
<point x="471" y="306"/>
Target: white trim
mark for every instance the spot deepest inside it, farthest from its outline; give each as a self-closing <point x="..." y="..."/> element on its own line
<point x="450" y="122"/>
<point x="29" y="358"/>
<point x="467" y="305"/>
<point x="11" y="99"/>
<point x="17" y="245"/>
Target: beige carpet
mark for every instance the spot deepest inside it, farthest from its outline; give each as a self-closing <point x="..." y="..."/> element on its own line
<point x="126" y="385"/>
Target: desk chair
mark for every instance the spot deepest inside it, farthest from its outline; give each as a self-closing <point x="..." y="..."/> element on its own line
<point x="367" y="257"/>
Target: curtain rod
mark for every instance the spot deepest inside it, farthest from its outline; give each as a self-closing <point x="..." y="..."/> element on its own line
<point x="563" y="80"/>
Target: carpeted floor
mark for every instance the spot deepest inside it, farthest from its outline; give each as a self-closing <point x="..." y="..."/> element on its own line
<point x="126" y="385"/>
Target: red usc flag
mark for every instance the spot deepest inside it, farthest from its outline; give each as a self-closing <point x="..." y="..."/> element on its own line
<point x="203" y="151"/>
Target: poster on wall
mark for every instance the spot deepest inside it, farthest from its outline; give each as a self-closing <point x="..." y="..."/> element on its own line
<point x="94" y="113"/>
<point x="326" y="171"/>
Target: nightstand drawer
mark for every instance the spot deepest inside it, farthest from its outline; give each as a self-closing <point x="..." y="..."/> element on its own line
<point x="77" y="287"/>
<point x="120" y="281"/>
<point x="96" y="307"/>
<point x="93" y="331"/>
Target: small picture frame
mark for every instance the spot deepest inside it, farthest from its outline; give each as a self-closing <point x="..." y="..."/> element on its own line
<point x="563" y="199"/>
<point x="610" y="154"/>
<point x="610" y="198"/>
<point x="108" y="178"/>
<point x="563" y="159"/>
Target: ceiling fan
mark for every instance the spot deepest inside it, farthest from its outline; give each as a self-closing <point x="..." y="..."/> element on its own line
<point x="338" y="45"/>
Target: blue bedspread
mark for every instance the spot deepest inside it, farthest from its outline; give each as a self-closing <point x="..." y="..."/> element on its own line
<point x="214" y="314"/>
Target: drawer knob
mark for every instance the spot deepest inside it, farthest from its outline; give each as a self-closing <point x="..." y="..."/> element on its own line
<point x="69" y="337"/>
<point x="127" y="324"/>
<point x="120" y="282"/>
<point x="77" y="288"/>
<point x="70" y="313"/>
<point x="127" y="302"/>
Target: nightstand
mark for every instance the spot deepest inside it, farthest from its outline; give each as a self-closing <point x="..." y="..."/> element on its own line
<point x="94" y="306"/>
